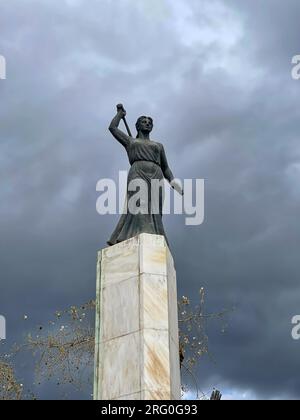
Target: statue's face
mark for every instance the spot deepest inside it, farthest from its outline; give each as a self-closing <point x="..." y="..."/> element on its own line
<point x="146" y="125"/>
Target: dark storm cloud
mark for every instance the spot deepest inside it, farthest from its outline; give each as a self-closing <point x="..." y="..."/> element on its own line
<point x="216" y="77"/>
<point x="250" y="240"/>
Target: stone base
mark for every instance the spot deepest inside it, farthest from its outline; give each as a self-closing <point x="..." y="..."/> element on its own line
<point x="137" y="349"/>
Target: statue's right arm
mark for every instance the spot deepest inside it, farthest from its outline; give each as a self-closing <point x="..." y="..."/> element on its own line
<point x="116" y="132"/>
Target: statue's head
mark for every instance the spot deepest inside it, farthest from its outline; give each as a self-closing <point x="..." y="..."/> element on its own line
<point x="144" y="125"/>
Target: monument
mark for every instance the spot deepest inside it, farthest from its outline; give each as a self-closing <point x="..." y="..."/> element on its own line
<point x="137" y="344"/>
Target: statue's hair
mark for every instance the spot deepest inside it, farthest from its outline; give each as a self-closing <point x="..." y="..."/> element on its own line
<point x="137" y="125"/>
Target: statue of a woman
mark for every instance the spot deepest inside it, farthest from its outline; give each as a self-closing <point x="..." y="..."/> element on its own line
<point x="148" y="162"/>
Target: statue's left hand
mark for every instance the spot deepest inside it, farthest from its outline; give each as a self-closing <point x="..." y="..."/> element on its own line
<point x="176" y="185"/>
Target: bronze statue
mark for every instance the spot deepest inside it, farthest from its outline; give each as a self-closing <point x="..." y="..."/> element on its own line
<point x="148" y="163"/>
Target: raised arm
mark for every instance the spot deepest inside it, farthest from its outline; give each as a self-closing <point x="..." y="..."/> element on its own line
<point x="123" y="138"/>
<point x="168" y="173"/>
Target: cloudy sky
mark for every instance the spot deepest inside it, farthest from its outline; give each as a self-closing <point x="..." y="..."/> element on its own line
<point x="216" y="77"/>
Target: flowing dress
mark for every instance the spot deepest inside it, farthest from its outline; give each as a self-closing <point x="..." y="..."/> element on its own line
<point x="148" y="162"/>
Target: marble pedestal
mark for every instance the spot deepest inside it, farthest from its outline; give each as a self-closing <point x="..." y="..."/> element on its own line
<point x="137" y="354"/>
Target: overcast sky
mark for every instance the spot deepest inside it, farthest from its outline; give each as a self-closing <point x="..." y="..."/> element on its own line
<point x="216" y="77"/>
